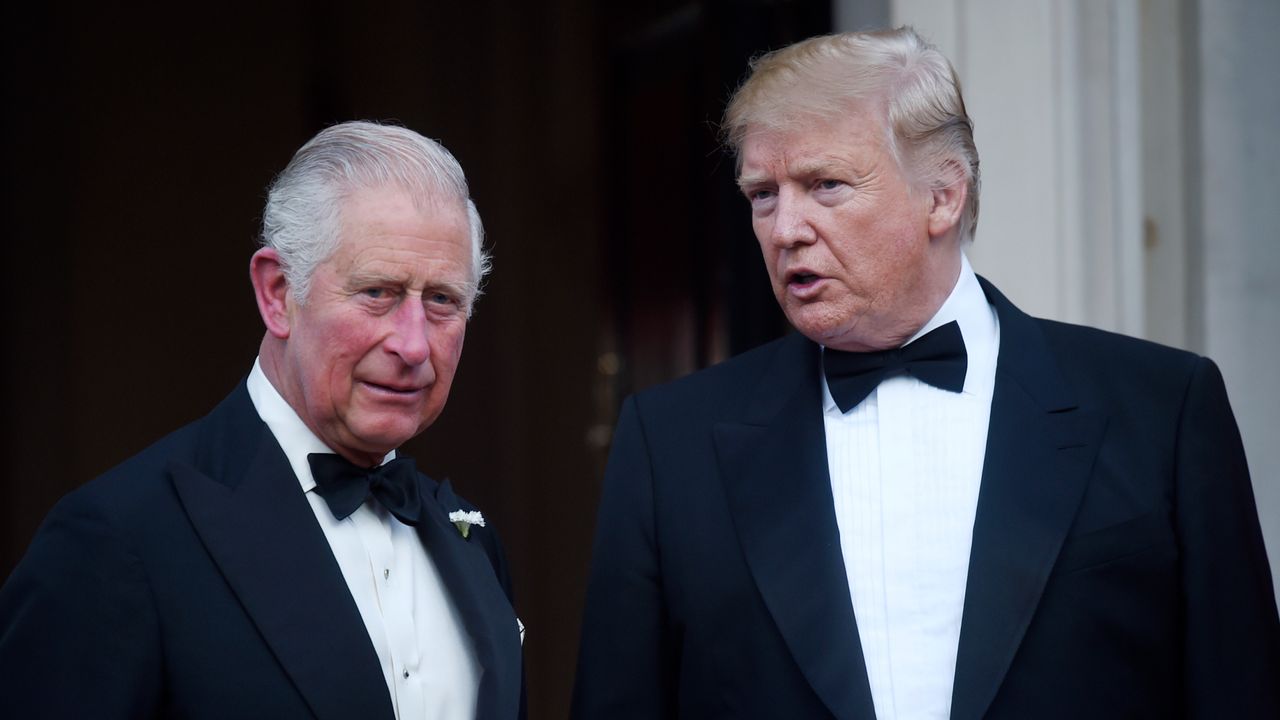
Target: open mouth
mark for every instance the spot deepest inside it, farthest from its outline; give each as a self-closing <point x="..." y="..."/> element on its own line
<point x="802" y="279"/>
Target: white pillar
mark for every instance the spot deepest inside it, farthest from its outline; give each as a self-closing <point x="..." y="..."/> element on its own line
<point x="1128" y="154"/>
<point x="1239" y="63"/>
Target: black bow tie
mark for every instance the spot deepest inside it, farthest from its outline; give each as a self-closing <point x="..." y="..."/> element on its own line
<point x="937" y="357"/>
<point x="345" y="486"/>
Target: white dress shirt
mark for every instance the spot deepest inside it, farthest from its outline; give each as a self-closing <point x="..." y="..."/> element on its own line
<point x="906" y="465"/>
<point x="427" y="658"/>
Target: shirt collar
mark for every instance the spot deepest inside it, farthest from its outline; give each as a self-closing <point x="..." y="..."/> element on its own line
<point x="968" y="306"/>
<point x="293" y="435"/>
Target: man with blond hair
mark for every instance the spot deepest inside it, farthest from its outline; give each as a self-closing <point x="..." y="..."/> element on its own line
<point x="924" y="503"/>
<point x="277" y="558"/>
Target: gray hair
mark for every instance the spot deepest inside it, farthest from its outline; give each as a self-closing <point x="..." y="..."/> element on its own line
<point x="302" y="218"/>
<point x="930" y="134"/>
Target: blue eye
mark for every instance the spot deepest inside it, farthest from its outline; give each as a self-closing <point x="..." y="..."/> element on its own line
<point x="374" y="292"/>
<point x="829" y="184"/>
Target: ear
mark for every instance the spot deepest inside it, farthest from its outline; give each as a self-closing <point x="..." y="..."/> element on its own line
<point x="271" y="290"/>
<point x="947" y="203"/>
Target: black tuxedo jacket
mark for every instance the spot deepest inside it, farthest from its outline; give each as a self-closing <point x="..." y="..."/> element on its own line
<point x="1117" y="568"/>
<point x="193" y="581"/>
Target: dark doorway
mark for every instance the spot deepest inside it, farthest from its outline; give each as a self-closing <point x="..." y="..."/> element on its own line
<point x="140" y="140"/>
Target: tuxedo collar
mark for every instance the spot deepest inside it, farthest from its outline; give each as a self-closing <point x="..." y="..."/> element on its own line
<point x="1027" y="360"/>
<point x="484" y="606"/>
<point x="244" y="501"/>
<point x="774" y="469"/>
<point x="1040" y="448"/>
<point x="772" y="456"/>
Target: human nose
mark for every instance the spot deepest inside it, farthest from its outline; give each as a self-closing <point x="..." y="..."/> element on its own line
<point x="409" y="333"/>
<point x="791" y="225"/>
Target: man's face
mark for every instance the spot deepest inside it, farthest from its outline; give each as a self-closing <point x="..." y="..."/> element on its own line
<point x="845" y="236"/>
<point x="373" y="350"/>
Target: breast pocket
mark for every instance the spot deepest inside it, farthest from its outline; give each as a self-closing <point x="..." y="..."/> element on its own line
<point x="1115" y="542"/>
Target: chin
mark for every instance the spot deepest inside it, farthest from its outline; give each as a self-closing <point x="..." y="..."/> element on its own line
<point x="384" y="438"/>
<point x="827" y="322"/>
<point x="814" y="325"/>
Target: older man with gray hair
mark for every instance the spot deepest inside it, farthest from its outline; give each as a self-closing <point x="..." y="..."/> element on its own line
<point x="925" y="503"/>
<point x="278" y="558"/>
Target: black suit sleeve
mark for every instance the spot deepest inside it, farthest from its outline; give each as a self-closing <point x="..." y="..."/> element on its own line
<point x="627" y="663"/>
<point x="78" y="624"/>
<point x="1232" y="642"/>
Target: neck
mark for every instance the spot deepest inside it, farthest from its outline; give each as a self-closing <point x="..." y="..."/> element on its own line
<point x="937" y="284"/>
<point x="271" y="358"/>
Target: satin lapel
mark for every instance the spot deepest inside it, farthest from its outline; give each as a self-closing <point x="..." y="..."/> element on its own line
<point x="245" y="503"/>
<point x="486" y="612"/>
<point x="774" y="469"/>
<point x="1040" y="448"/>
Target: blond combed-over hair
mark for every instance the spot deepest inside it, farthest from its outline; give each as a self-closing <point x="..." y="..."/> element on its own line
<point x="895" y="71"/>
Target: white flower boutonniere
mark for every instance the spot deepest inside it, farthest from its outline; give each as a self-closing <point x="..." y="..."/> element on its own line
<point x="463" y="520"/>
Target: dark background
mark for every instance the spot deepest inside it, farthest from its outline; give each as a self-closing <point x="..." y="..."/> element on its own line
<point x="138" y="143"/>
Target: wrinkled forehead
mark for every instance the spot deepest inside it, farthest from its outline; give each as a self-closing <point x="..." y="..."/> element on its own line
<point x="375" y="220"/>
<point x="800" y="131"/>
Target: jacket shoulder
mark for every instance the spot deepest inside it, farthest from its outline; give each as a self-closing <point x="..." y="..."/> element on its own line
<point x="1125" y="376"/>
<point x="1102" y="353"/>
<point x="1096" y="363"/>
<point x="1085" y="340"/>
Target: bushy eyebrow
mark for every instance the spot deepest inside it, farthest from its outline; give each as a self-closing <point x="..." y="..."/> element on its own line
<point x="821" y="166"/>
<point x="362" y="279"/>
<point x="366" y="279"/>
<point x="462" y="291"/>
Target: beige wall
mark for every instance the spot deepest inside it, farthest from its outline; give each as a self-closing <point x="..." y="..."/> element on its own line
<point x="1128" y="149"/>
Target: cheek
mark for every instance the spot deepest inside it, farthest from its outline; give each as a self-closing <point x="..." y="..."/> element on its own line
<point x="448" y="347"/>
<point x="345" y="346"/>
<point x="896" y="243"/>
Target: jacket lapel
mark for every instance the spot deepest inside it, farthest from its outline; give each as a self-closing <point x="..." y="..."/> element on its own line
<point x="486" y="612"/>
<point x="245" y="503"/>
<point x="785" y="518"/>
<point x="1040" y="448"/>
